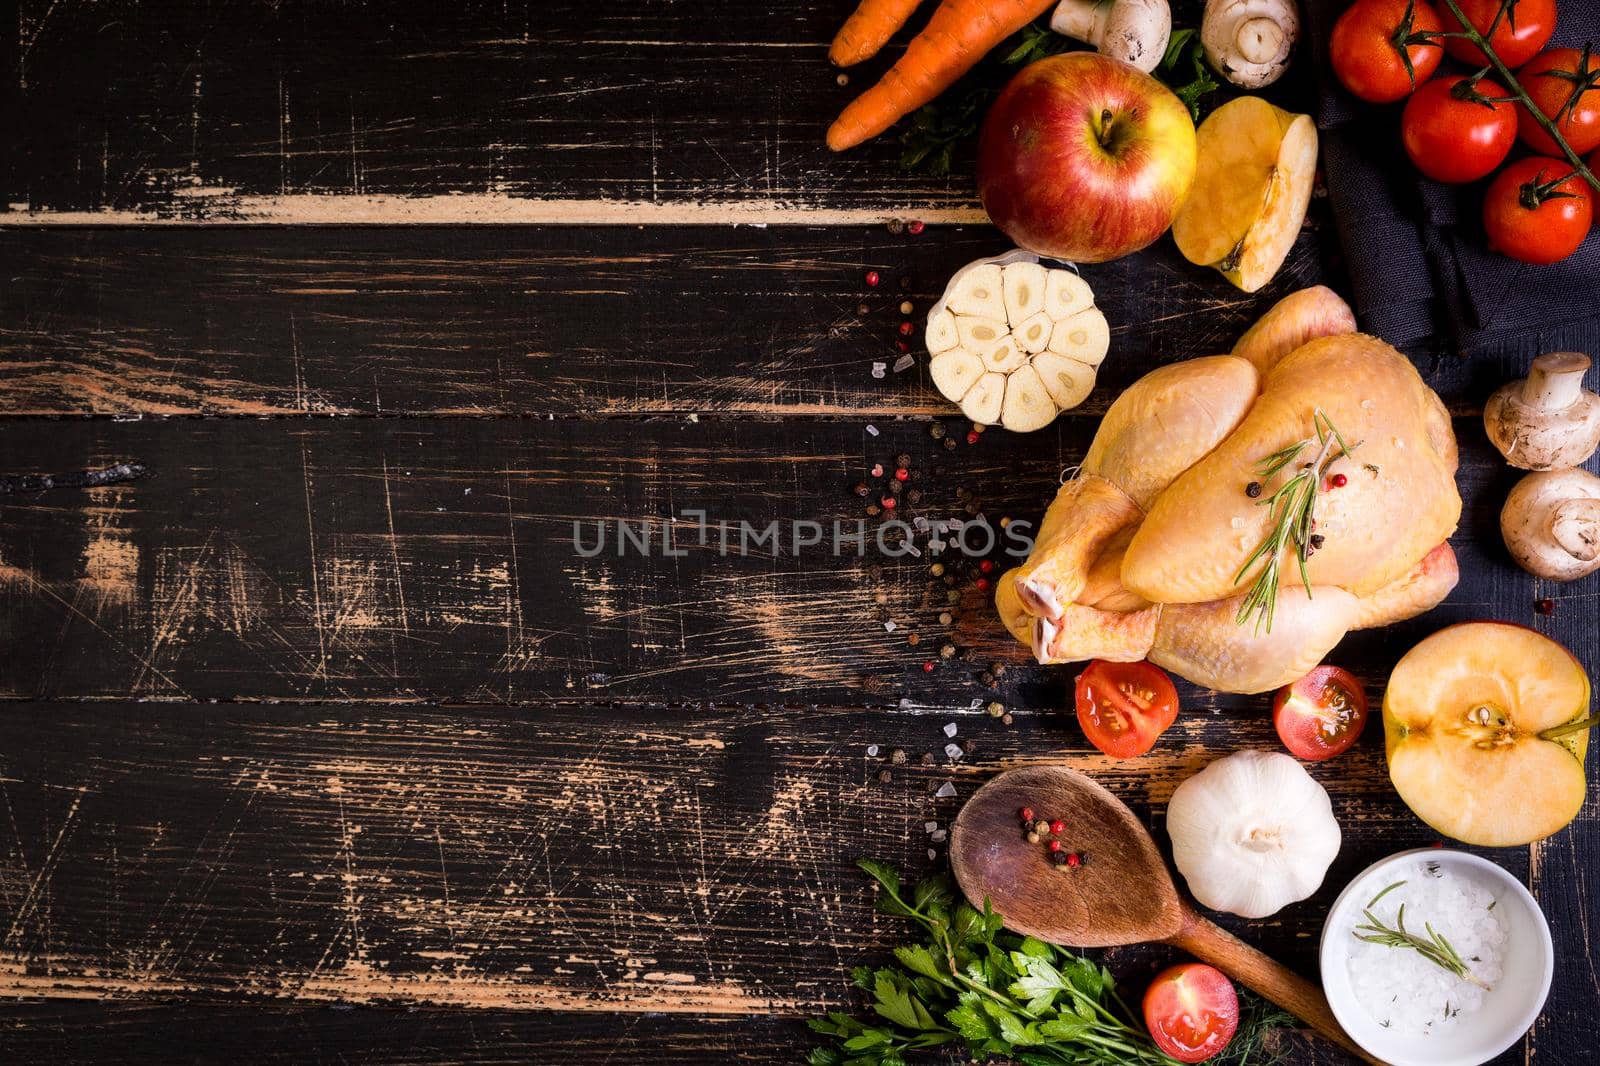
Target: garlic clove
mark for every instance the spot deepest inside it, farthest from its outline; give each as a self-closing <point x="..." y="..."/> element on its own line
<point x="982" y="402"/>
<point x="1024" y="286"/>
<point x="977" y="292"/>
<point x="1065" y="294"/>
<point x="1004" y="357"/>
<point x="941" y="335"/>
<point x="1027" y="405"/>
<point x="954" y="372"/>
<point x="979" y="334"/>
<point x="1084" y="337"/>
<point x="1068" y="381"/>
<point x="1034" y="332"/>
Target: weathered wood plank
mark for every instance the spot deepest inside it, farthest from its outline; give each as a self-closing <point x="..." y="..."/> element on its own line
<point x="65" y="1033"/>
<point x="543" y="321"/>
<point x="398" y="559"/>
<point x="527" y="110"/>
<point x="600" y="858"/>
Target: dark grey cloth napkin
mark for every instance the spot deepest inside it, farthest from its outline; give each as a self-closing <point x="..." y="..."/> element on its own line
<point x="1420" y="270"/>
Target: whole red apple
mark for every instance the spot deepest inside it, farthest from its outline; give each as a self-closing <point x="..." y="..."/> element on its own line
<point x="1084" y="158"/>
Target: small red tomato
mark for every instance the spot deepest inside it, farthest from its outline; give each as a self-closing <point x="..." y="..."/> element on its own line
<point x="1537" y="210"/>
<point x="1521" y="32"/>
<point x="1563" y="84"/>
<point x="1321" y="715"/>
<point x="1191" y="1011"/>
<point x="1375" y="52"/>
<point x="1453" y="132"/>
<point x="1124" y="707"/>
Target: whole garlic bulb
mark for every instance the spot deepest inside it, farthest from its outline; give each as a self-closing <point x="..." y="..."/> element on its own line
<point x="1252" y="833"/>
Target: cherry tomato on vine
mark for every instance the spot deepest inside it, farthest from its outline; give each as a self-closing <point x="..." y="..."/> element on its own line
<point x="1321" y="715"/>
<point x="1537" y="210"/>
<point x="1564" y="84"/>
<point x="1455" y="131"/>
<point x="1191" y="1011"/>
<point x="1369" y="48"/>
<point x="1525" y="28"/>
<point x="1124" y="707"/>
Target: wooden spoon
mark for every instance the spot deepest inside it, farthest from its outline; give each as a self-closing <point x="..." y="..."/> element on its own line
<point x="1122" y="895"/>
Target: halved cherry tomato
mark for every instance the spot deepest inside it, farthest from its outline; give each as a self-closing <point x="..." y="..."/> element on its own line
<point x="1191" y="1011"/>
<point x="1537" y="210"/>
<point x="1562" y="83"/>
<point x="1522" y="31"/>
<point x="1456" y="131"/>
<point x="1124" y="707"/>
<point x="1321" y="715"/>
<point x="1366" y="48"/>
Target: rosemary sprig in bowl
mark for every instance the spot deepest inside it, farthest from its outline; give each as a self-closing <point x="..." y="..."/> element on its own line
<point x="1433" y="947"/>
<point x="1294" y="506"/>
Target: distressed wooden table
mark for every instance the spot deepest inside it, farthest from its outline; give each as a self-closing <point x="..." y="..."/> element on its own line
<point x="323" y="742"/>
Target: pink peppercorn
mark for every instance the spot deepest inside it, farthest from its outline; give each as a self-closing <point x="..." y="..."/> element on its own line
<point x="927" y="667"/>
<point x="1339" y="481"/>
<point x="914" y="227"/>
<point x="983" y="584"/>
<point x="1055" y="845"/>
<point x="986" y="566"/>
<point x="872" y="279"/>
<point x="901" y="474"/>
<point x="905" y="329"/>
<point x="1058" y="827"/>
<point x="972" y="436"/>
<point x="889" y="503"/>
<point x="1026" y="814"/>
<point x="1073" y="859"/>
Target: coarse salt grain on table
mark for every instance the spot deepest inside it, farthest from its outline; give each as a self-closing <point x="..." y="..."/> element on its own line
<point x="1401" y="989"/>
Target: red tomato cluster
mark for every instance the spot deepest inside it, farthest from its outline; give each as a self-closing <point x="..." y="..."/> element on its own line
<point x="1462" y="128"/>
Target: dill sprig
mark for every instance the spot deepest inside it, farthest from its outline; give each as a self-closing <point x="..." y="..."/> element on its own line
<point x="1294" y="506"/>
<point x="1433" y="947"/>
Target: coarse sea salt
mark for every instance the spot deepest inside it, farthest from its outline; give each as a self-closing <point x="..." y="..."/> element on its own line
<point x="1401" y="989"/>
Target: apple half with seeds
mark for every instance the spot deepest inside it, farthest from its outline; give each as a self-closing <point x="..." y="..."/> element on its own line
<point x="1486" y="725"/>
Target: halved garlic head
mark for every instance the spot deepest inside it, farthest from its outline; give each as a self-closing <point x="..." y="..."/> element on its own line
<point x="1016" y="342"/>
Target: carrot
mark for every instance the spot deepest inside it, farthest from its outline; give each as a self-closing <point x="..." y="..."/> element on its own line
<point x="960" y="33"/>
<point x="869" y="29"/>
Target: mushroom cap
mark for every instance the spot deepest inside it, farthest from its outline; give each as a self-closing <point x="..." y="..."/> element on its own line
<point x="1551" y="524"/>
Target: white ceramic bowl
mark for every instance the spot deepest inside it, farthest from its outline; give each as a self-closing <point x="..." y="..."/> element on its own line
<point x="1507" y="1011"/>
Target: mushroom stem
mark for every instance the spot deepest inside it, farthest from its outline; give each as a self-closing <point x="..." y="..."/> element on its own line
<point x="1575" y="526"/>
<point x="1555" y="382"/>
<point x="1259" y="40"/>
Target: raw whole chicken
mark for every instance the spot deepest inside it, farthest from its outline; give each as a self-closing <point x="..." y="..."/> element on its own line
<point x="1147" y="552"/>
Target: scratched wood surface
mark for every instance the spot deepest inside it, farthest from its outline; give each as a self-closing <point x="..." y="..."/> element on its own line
<point x="323" y="743"/>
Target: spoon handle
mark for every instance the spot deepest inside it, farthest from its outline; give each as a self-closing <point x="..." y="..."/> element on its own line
<point x="1267" y="978"/>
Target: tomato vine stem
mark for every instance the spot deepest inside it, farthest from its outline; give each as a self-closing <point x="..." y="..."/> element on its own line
<point x="1545" y="122"/>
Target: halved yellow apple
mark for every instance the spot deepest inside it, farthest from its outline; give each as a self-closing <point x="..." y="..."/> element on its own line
<point x="1473" y="721"/>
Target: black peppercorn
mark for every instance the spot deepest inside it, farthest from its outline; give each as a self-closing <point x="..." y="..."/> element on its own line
<point x="950" y="443"/>
<point x="1253" y="489"/>
<point x="1545" y="606"/>
<point x="885" y="776"/>
<point x="1058" y="857"/>
<point x="1316" y="540"/>
<point x="915" y="495"/>
<point x="986" y="678"/>
<point x="902" y="459"/>
<point x="927" y="758"/>
<point x="936" y="430"/>
<point x="862" y="489"/>
<point x="898" y="756"/>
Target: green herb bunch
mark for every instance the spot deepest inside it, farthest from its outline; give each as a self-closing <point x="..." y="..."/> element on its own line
<point x="967" y="981"/>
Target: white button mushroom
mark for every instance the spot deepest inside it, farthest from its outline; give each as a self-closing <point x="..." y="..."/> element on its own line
<point x="1249" y="41"/>
<point x="1134" y="31"/>
<point x="1551" y="524"/>
<point x="1548" y="421"/>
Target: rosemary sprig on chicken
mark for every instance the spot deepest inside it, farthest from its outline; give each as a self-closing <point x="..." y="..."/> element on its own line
<point x="1294" y="507"/>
